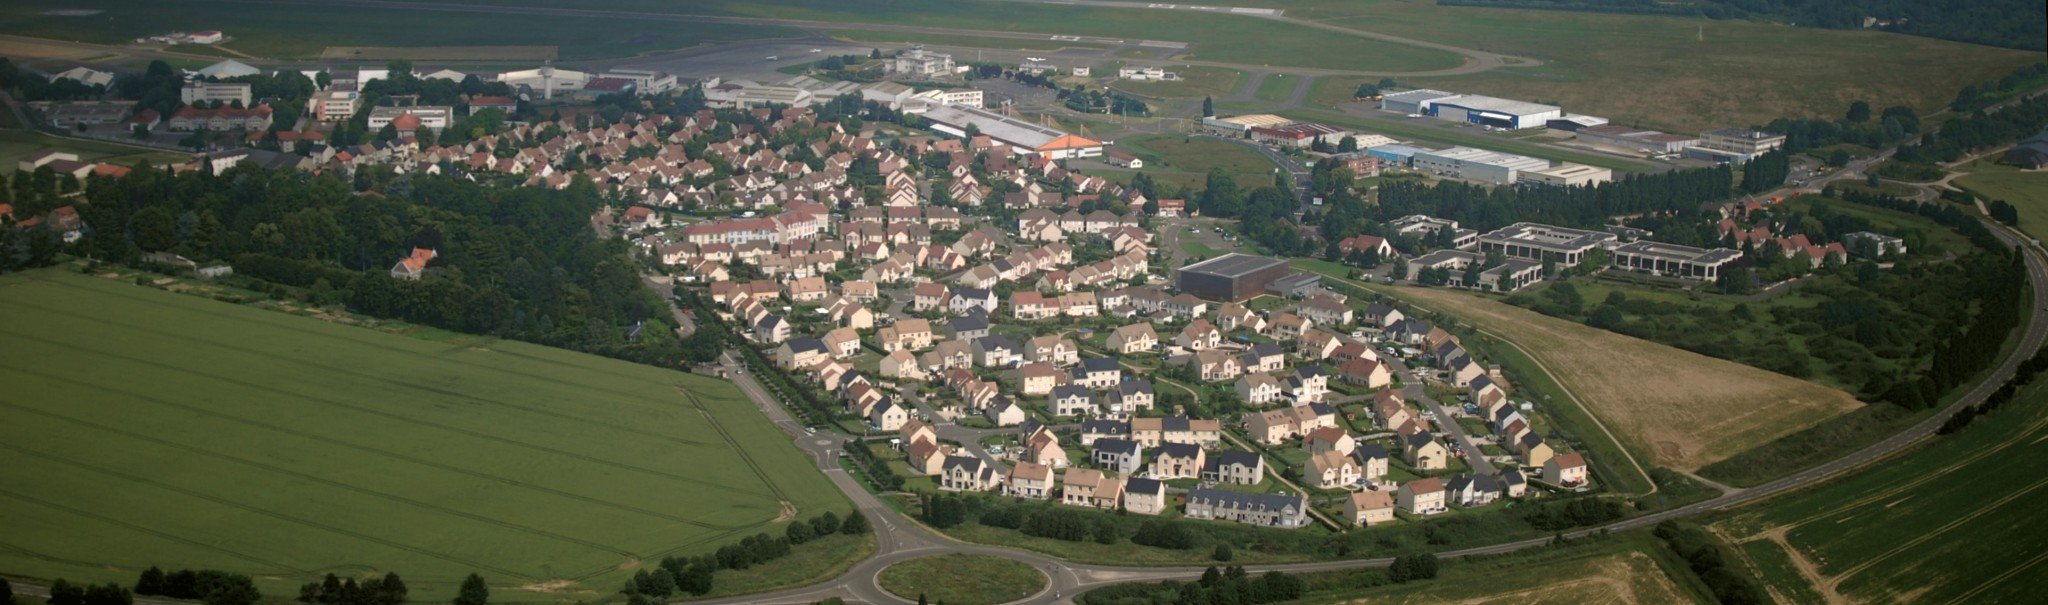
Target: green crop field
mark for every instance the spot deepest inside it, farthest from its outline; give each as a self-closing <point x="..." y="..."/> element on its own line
<point x="148" y="428"/>
<point x="298" y="31"/>
<point x="1916" y="527"/>
<point x="1682" y="74"/>
<point x="2027" y="191"/>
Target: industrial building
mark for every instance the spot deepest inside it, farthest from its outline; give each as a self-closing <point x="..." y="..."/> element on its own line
<point x="228" y="93"/>
<point x="1477" y="164"/>
<point x="1232" y="277"/>
<point x="1399" y="155"/>
<point x="1298" y="134"/>
<point x="1243" y="123"/>
<point x="1674" y="260"/>
<point x="1422" y="226"/>
<point x="1023" y="137"/>
<point x="1475" y="109"/>
<point x="1534" y="242"/>
<point x="1734" y="145"/>
<point x="1509" y="276"/>
<point x="1646" y="141"/>
<point x="1572" y="122"/>
<point x="1568" y="175"/>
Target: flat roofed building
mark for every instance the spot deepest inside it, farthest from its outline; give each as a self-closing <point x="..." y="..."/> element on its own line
<point x="1568" y="175"/>
<point x="1232" y="277"/>
<point x="1478" y="164"/>
<point x="1531" y="241"/>
<point x="1491" y="111"/>
<point x="1734" y="145"/>
<point x="1402" y="155"/>
<point x="431" y="117"/>
<point x="1413" y="101"/>
<point x="225" y="92"/>
<point x="1646" y="141"/>
<point x="1423" y="225"/>
<point x="334" y="105"/>
<point x="1674" y="260"/>
<point x="1022" y="137"/>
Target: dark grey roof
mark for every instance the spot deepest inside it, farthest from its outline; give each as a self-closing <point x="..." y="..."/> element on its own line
<point x="972" y="464"/>
<point x="1137" y="485"/>
<point x="1099" y="364"/>
<point x="1481" y="382"/>
<point x="997" y="341"/>
<point x="1173" y="423"/>
<point x="1105" y="427"/>
<point x="1232" y="458"/>
<point x="1116" y="446"/>
<point x="1378" y="310"/>
<point x="1233" y="265"/>
<point x="1245" y="501"/>
<point x="971" y="323"/>
<point x="1420" y="439"/>
<point x="800" y="345"/>
<point x="975" y="293"/>
<point x="1321" y="409"/>
<point x="1512" y="477"/>
<point x="1063" y="392"/>
<point x="1134" y="386"/>
<point x="1178" y="450"/>
<point x="1267" y="349"/>
<point x="1370" y="451"/>
<point x="1311" y="371"/>
<point x="1029" y="427"/>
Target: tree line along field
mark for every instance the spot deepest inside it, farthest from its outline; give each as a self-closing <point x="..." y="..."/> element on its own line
<point x="304" y="32"/>
<point x="148" y="428"/>
<point x="1956" y="521"/>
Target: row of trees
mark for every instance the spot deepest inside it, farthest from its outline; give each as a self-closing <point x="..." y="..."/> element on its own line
<point x="1959" y="137"/>
<point x="2024" y="375"/>
<point x="208" y="586"/>
<point x="694" y="575"/>
<point x="1486" y="208"/>
<point x="332" y="590"/>
<point x="1714" y="562"/>
<point x="63" y="592"/>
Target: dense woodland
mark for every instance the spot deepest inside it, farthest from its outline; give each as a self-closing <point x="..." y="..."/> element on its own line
<point x="2008" y="23"/>
<point x="520" y="263"/>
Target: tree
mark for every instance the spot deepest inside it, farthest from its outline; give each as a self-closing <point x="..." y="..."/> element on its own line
<point x="6" y="592"/>
<point x="856" y="524"/>
<point x="151" y="582"/>
<point x="394" y="590"/>
<point x="1208" y="107"/>
<point x="63" y="592"/>
<point x="825" y="524"/>
<point x="799" y="533"/>
<point x="1413" y="567"/>
<point x="1859" y="112"/>
<point x="473" y="591"/>
<point x="1223" y="553"/>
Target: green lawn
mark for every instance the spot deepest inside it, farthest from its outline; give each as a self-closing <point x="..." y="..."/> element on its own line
<point x="2027" y="191"/>
<point x="148" y="428"/>
<point x="890" y="37"/>
<point x="1681" y="74"/>
<point x="303" y="31"/>
<point x="1194" y="82"/>
<point x="16" y="144"/>
<point x="1181" y="160"/>
<point x="962" y="579"/>
<point x="1276" y="87"/>
<point x="1914" y="528"/>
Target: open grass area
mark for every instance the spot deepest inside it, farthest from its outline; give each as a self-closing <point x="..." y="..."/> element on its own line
<point x="16" y="144"/>
<point x="1681" y="74"/>
<point x="303" y="31"/>
<point x="1695" y="411"/>
<point x="2025" y="190"/>
<point x="1175" y="160"/>
<point x="810" y="562"/>
<point x="1915" y="528"/>
<point x="962" y="579"/>
<point x="882" y="37"/>
<point x="148" y="428"/>
<point x="1194" y="82"/>
<point x="1276" y="87"/>
<point x="1215" y="36"/>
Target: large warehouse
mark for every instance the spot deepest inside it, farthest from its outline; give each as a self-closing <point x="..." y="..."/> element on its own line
<point x="1476" y="109"/>
<point x="1232" y="277"/>
<point x="1477" y="164"/>
<point x="1024" y="138"/>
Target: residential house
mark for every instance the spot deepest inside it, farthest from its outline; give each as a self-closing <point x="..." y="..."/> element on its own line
<point x="1216" y="366"/>
<point x="1258" y="389"/>
<point x="1239" y="467"/>
<point x="1565" y="470"/>
<point x="1098" y="373"/>
<point x="1331" y="470"/>
<point x="1092" y="430"/>
<point x="1372" y="461"/>
<point x="801" y="353"/>
<point x="1118" y="455"/>
<point x="1269" y="510"/>
<point x="1040" y="379"/>
<point x="1134" y="338"/>
<point x="1329" y="439"/>
<point x="1199" y="335"/>
<point x="1073" y="401"/>
<point x="967" y="474"/>
<point x="1366" y="372"/>
<point x="1366" y="509"/>
<point x="1176" y="429"/>
<point x="1053" y="349"/>
<point x="1029" y="480"/>
<point x="997" y="352"/>
<point x="1473" y="490"/>
<point x="1422" y="497"/>
<point x="1424" y="453"/>
<point x="1309" y="384"/>
<point x="1145" y="496"/>
<point x="1264" y="358"/>
<point x="926" y="458"/>
<point x="1004" y="412"/>
<point x="1177" y="461"/>
<point x="1130" y="396"/>
<point x="1092" y="488"/>
<point x="888" y="416"/>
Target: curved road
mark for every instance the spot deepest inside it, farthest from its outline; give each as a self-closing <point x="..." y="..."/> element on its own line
<point x="901" y="538"/>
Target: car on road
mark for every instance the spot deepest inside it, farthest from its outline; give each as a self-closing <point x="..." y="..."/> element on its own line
<point x="1414" y="115"/>
<point x="817" y="50"/>
<point x="774" y="58"/>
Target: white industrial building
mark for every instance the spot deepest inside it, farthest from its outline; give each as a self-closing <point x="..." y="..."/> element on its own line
<point x="1734" y="145"/>
<point x="1475" y="109"/>
<point x="1477" y="164"/>
<point x="1568" y="175"/>
<point x="546" y="80"/>
<point x="1024" y="138"/>
<point x="1646" y="141"/>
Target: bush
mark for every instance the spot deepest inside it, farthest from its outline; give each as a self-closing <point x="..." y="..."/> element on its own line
<point x="1223" y="553"/>
<point x="1413" y="567"/>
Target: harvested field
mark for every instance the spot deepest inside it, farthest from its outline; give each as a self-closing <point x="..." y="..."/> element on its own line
<point x="1681" y="409"/>
<point x="1622" y="577"/>
<point x="443" y="53"/>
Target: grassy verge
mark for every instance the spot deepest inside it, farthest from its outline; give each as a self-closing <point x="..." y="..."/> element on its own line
<point x="810" y="563"/>
<point x="962" y="580"/>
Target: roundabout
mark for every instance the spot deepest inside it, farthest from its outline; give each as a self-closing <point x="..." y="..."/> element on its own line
<point x="962" y="579"/>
